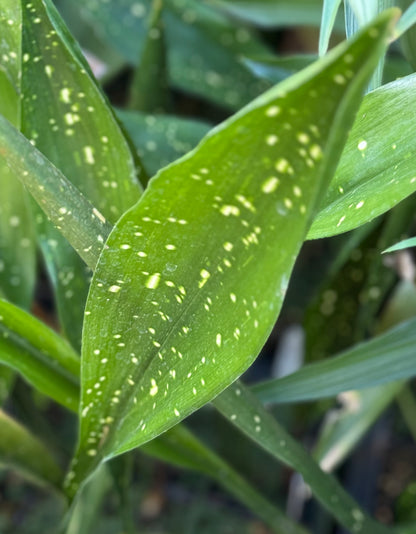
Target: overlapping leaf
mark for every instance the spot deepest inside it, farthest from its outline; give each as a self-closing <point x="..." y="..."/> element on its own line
<point x="39" y="354"/>
<point x="182" y="263"/>
<point x="388" y="357"/>
<point x="59" y="95"/>
<point x="17" y="243"/>
<point x="377" y="167"/>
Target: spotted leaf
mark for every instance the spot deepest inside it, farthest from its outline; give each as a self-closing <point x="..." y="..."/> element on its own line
<point x="66" y="117"/>
<point x="377" y="167"/>
<point x="17" y="240"/>
<point x="192" y="278"/>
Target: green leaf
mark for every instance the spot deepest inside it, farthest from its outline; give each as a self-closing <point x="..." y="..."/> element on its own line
<point x="406" y="243"/>
<point x="20" y="450"/>
<point x="275" y="68"/>
<point x="377" y="167"/>
<point x="180" y="264"/>
<point x="329" y="13"/>
<point x="390" y="356"/>
<point x="92" y="153"/>
<point x="344" y="427"/>
<point x="181" y="447"/>
<point x="407" y="20"/>
<point x="274" y="13"/>
<point x="408" y="36"/>
<point x="212" y="71"/>
<point x="149" y="87"/>
<point x="240" y="407"/>
<point x="46" y="361"/>
<point x="75" y="217"/>
<point x="42" y="357"/>
<point x="160" y="139"/>
<point x="17" y="243"/>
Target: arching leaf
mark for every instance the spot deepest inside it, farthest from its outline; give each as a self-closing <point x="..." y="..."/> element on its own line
<point x="176" y="296"/>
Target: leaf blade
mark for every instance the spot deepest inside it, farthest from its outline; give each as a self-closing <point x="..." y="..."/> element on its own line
<point x="129" y="399"/>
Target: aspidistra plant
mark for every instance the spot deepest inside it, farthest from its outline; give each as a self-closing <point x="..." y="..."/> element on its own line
<point x="189" y="281"/>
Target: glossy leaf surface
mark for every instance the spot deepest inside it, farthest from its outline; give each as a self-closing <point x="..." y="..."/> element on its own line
<point x="180" y="263"/>
<point x="377" y="167"/>
<point x="390" y="356"/>
<point x="329" y="13"/>
<point x="407" y="243"/>
<point x="21" y="450"/>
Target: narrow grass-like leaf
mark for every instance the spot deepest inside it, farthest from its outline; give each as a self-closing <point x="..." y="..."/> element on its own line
<point x="180" y="263"/>
<point x="42" y="357"/>
<point x="406" y="243"/>
<point x="160" y="139"/>
<point x="329" y="13"/>
<point x="275" y="68"/>
<point x="149" y="87"/>
<point x="390" y="356"/>
<point x="345" y="426"/>
<point x="240" y="407"/>
<point x="407" y="20"/>
<point x="20" y="450"/>
<point x="17" y="240"/>
<point x="73" y="215"/>
<point x="58" y="94"/>
<point x="377" y="167"/>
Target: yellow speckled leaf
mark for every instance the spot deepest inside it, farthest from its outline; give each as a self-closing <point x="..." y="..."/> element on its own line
<point x="192" y="278"/>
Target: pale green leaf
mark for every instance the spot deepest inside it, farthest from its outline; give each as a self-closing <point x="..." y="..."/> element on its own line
<point x="329" y="13"/>
<point x="406" y="243"/>
<point x="180" y="264"/>
<point x="345" y="426"/>
<point x="377" y="167"/>
<point x="40" y="355"/>
<point x="407" y="20"/>
<point x="20" y="450"/>
<point x="390" y="356"/>
<point x="240" y="407"/>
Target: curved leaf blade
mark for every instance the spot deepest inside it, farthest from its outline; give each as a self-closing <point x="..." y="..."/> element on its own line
<point x="178" y="281"/>
<point x="390" y="356"/>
